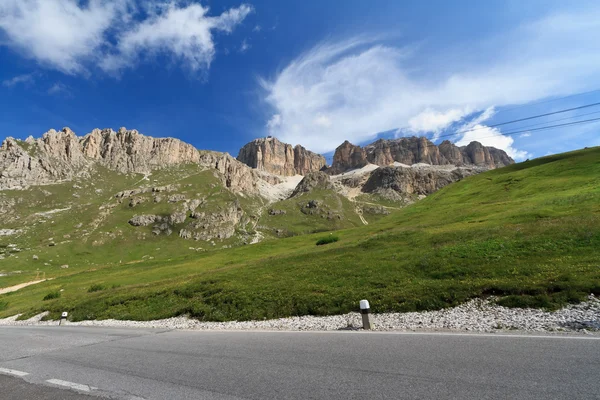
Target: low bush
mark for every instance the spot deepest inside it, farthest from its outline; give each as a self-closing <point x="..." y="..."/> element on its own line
<point x="327" y="240"/>
<point x="52" y="295"/>
<point x="96" y="287"/>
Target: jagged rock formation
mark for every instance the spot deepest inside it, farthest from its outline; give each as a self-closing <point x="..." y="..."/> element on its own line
<point x="422" y="180"/>
<point x="55" y="156"/>
<point x="61" y="155"/>
<point x="271" y="155"/>
<point x="129" y="151"/>
<point x="348" y="156"/>
<point x="235" y="175"/>
<point x="415" y="150"/>
<point x="312" y="181"/>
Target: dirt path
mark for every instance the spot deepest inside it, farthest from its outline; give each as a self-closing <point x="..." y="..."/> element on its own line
<point x="20" y="286"/>
<point x="379" y="205"/>
<point x="364" y="221"/>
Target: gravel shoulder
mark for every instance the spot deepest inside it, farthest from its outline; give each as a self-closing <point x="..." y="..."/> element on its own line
<point x="474" y="316"/>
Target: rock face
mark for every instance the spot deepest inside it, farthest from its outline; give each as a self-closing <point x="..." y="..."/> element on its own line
<point x="271" y="155"/>
<point x="418" y="181"/>
<point x="348" y="156"/>
<point x="55" y="156"/>
<point x="129" y="151"/>
<point x="312" y="181"/>
<point x="235" y="175"/>
<point x="62" y="155"/>
<point x="415" y="150"/>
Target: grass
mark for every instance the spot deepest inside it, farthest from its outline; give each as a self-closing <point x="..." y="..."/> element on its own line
<point x="528" y="234"/>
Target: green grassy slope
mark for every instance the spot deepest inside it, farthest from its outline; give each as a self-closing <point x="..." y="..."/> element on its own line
<point x="529" y="233"/>
<point x="333" y="212"/>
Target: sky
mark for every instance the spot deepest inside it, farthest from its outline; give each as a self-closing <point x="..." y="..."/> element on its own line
<point x="218" y="74"/>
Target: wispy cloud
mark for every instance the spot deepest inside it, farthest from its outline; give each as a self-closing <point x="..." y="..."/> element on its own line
<point x="183" y="32"/>
<point x="25" y="79"/>
<point x="60" y="89"/>
<point x="74" y="37"/>
<point x="363" y="87"/>
<point x="245" y="46"/>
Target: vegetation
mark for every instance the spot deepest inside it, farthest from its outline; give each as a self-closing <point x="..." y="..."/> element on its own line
<point x="528" y="234"/>
<point x="96" y="287"/>
<point x="327" y="240"/>
<point x="52" y="295"/>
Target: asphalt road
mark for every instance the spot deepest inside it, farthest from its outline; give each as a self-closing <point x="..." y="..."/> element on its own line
<point x="154" y="364"/>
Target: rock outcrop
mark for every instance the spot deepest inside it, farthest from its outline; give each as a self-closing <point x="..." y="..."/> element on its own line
<point x="129" y="151"/>
<point x="270" y="155"/>
<point x="407" y="151"/>
<point x="55" y="156"/>
<point x="61" y="155"/>
<point x="348" y="156"/>
<point x="414" y="150"/>
<point x="312" y="181"/>
<point x="235" y="175"/>
<point x="418" y="181"/>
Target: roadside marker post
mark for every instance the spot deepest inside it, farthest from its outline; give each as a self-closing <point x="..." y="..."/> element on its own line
<point x="63" y="317"/>
<point x="365" y="312"/>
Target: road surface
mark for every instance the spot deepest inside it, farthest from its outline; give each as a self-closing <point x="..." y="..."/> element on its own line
<point x="74" y="362"/>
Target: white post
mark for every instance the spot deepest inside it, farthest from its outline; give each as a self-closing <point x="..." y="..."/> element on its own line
<point x="365" y="311"/>
<point x="63" y="317"/>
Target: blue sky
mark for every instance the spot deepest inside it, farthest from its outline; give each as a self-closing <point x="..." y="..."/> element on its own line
<point x="218" y="74"/>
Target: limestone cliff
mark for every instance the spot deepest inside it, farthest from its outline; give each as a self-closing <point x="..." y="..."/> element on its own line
<point x="273" y="156"/>
<point x="418" y="181"/>
<point x="348" y="156"/>
<point x="61" y="155"/>
<point x="130" y="151"/>
<point x="414" y="150"/>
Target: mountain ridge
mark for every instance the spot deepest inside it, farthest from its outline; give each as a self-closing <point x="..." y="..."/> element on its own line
<point x="414" y="150"/>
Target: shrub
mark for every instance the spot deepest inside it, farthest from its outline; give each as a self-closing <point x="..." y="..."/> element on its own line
<point x="52" y="295"/>
<point x="96" y="287"/>
<point x="327" y="240"/>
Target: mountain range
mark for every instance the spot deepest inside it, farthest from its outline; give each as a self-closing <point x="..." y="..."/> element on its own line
<point x="62" y="193"/>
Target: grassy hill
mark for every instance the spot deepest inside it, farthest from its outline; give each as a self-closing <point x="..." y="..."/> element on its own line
<point x="528" y="233"/>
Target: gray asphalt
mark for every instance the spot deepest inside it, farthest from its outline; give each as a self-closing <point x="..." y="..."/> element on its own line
<point x="154" y="364"/>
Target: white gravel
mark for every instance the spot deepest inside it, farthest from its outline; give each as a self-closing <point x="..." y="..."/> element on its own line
<point x="474" y="316"/>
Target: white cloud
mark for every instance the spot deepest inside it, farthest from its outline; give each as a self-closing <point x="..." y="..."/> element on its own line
<point x="365" y="87"/>
<point x="245" y="46"/>
<point x="60" y="34"/>
<point x="323" y="121"/>
<point x="492" y="137"/>
<point x="525" y="135"/>
<point x="274" y="122"/>
<point x="72" y="36"/>
<point x="434" y="121"/>
<point x="183" y="32"/>
<point x="25" y="79"/>
<point x="59" y="89"/>
<point x="257" y="28"/>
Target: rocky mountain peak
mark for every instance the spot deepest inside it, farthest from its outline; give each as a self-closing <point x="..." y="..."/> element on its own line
<point x="414" y="150"/>
<point x="348" y="156"/>
<point x="271" y="155"/>
<point x="60" y="155"/>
